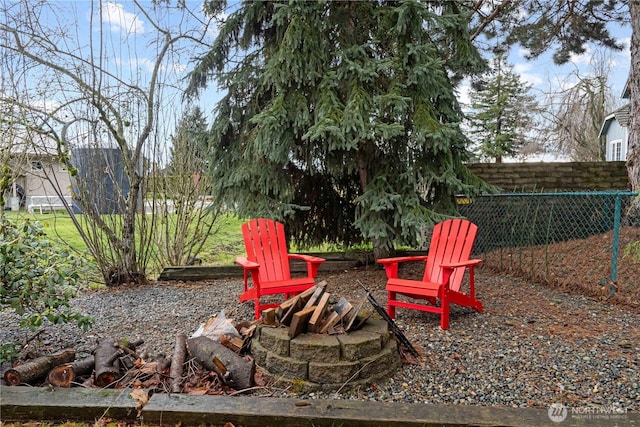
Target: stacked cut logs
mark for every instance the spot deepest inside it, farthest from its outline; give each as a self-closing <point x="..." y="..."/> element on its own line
<point x="200" y="364"/>
<point x="197" y="363"/>
<point x="312" y="312"/>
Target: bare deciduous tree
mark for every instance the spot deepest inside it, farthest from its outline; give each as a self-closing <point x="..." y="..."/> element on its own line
<point x="576" y="114"/>
<point x="107" y="96"/>
<point x="188" y="189"/>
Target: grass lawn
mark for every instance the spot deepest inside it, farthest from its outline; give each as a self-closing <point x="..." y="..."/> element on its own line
<point x="57" y="225"/>
<point x="221" y="248"/>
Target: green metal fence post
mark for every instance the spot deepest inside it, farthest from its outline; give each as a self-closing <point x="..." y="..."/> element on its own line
<point x="616" y="239"/>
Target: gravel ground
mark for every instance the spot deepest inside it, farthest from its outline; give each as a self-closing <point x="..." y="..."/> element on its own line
<point x="532" y="346"/>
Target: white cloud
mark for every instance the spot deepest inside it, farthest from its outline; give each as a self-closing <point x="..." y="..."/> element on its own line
<point x="523" y="68"/>
<point x="523" y="53"/>
<point x="49" y="105"/>
<point x="583" y="58"/>
<point x="120" y="20"/>
<point x="624" y="56"/>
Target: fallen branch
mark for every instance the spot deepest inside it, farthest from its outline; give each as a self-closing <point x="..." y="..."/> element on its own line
<point x="177" y="362"/>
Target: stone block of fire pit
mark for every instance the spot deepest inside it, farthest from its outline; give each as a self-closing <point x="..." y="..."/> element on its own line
<point x="333" y="373"/>
<point x="287" y="366"/>
<point x="275" y="339"/>
<point x="312" y="361"/>
<point x="315" y="348"/>
<point x="382" y="364"/>
<point x="359" y="346"/>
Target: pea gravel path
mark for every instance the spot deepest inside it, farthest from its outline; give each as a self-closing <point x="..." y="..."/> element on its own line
<point x="532" y="346"/>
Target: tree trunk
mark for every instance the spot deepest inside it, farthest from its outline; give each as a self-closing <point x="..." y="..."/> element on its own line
<point x="37" y="368"/>
<point x="106" y="363"/>
<point x="379" y="249"/>
<point x="633" y="153"/>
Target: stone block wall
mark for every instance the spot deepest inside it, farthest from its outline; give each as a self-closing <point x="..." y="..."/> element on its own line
<point x="554" y="176"/>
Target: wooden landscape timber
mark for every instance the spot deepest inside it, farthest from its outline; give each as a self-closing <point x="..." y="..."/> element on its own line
<point x="334" y="262"/>
<point x="113" y="407"/>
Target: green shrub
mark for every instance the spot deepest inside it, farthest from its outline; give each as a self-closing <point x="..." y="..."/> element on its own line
<point x="38" y="278"/>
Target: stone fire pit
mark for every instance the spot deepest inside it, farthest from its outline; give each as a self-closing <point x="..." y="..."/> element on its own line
<point x="312" y="362"/>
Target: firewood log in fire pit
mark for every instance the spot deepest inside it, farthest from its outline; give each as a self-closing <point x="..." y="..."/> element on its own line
<point x="311" y="312"/>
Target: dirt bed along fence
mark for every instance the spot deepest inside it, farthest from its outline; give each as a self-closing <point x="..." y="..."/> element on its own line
<point x="567" y="239"/>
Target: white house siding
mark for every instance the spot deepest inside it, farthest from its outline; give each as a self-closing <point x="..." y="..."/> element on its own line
<point x="616" y="133"/>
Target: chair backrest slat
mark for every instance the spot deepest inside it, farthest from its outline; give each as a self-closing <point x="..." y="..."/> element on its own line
<point x="451" y="241"/>
<point x="265" y="244"/>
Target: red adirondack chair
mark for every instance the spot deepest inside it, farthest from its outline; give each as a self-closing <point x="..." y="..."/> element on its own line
<point x="267" y="261"/>
<point x="445" y="265"/>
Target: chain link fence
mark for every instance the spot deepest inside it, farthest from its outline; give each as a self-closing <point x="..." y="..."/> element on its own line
<point x="568" y="239"/>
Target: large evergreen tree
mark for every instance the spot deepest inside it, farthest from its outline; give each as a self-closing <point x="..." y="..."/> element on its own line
<point x="340" y="117"/>
<point x="189" y="144"/>
<point x="502" y="111"/>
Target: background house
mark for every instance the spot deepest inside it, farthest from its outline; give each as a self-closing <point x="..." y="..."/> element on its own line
<point x="36" y="171"/>
<point x="614" y="132"/>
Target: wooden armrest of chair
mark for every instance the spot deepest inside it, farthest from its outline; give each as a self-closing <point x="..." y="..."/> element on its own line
<point x="468" y="263"/>
<point x="313" y="263"/>
<point x="397" y="260"/>
<point x="391" y="264"/>
<point x="246" y="264"/>
<point x="450" y="267"/>
<point x="307" y="258"/>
